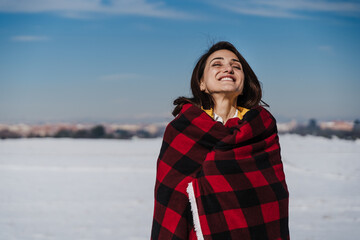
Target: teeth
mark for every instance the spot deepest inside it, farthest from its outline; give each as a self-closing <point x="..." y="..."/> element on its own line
<point x="227" y="78"/>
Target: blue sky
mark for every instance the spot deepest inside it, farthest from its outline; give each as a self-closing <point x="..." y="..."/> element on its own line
<point x="126" y="61"/>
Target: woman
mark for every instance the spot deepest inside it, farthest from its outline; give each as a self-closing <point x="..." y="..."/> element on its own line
<point x="219" y="171"/>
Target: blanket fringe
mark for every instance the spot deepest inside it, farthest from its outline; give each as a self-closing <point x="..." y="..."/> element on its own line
<point x="194" y="210"/>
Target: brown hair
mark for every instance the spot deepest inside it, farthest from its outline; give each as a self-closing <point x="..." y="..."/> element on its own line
<point x="250" y="97"/>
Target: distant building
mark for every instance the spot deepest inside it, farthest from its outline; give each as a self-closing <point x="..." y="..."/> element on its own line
<point x="286" y="127"/>
<point x="337" y="126"/>
<point x="356" y="127"/>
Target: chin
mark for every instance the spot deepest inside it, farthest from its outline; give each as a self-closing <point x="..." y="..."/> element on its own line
<point x="230" y="90"/>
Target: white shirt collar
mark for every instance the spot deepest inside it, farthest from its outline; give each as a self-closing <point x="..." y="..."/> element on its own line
<point x="219" y="119"/>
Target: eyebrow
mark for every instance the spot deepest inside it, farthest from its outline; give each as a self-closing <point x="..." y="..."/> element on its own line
<point x="221" y="58"/>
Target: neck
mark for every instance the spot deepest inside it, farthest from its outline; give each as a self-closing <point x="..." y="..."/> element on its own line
<point x="224" y="107"/>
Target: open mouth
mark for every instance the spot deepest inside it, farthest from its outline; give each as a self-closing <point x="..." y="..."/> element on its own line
<point x="227" y="79"/>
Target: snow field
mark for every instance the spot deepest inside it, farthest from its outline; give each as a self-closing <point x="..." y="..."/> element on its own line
<point x="103" y="189"/>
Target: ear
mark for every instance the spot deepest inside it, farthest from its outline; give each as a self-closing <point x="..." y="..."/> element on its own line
<point x="202" y="85"/>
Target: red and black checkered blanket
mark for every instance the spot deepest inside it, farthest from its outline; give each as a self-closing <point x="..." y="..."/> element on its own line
<point x="232" y="174"/>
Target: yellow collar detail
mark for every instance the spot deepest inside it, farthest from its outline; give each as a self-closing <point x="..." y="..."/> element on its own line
<point x="240" y="115"/>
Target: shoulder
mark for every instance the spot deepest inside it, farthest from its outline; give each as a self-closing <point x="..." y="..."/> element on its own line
<point x="259" y="112"/>
<point x="263" y="109"/>
<point x="189" y="117"/>
<point x="179" y="123"/>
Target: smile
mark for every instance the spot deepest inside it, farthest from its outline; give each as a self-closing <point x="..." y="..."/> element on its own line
<point x="227" y="79"/>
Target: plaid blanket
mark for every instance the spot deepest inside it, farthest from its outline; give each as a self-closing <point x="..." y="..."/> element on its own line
<point x="232" y="174"/>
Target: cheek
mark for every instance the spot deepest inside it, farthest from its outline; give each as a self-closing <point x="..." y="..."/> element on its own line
<point x="242" y="77"/>
<point x="209" y="77"/>
<point x="242" y="81"/>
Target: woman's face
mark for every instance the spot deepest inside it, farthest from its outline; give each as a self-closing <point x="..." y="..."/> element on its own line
<point x="223" y="73"/>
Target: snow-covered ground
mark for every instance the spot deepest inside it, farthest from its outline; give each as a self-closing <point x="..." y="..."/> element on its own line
<point x="103" y="189"/>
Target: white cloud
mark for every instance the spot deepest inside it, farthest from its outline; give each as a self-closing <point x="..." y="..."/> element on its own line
<point x="291" y="8"/>
<point x="315" y="5"/>
<point x="264" y="12"/>
<point x="79" y="7"/>
<point x="29" y="38"/>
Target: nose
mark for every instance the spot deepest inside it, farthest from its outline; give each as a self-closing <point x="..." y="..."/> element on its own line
<point x="229" y="68"/>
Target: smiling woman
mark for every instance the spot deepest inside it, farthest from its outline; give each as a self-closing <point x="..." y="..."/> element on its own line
<point x="222" y="60"/>
<point x="223" y="76"/>
<point x="219" y="171"/>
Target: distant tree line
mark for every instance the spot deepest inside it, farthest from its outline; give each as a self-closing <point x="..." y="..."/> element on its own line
<point x="98" y="131"/>
<point x="312" y="128"/>
<point x="9" y="134"/>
